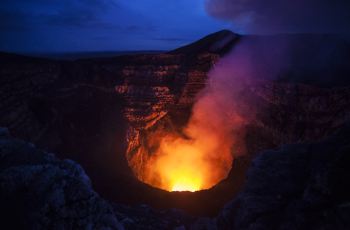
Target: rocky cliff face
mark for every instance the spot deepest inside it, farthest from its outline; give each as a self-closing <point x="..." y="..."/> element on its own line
<point x="291" y="113"/>
<point x="22" y="80"/>
<point x="170" y="90"/>
<point x="151" y="90"/>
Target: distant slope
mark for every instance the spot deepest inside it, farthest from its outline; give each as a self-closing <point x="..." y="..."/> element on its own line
<point x="220" y="43"/>
<point x="6" y="57"/>
<point x="93" y="54"/>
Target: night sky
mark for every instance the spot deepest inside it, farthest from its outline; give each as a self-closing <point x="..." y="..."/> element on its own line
<point x="102" y="25"/>
<point x="121" y="25"/>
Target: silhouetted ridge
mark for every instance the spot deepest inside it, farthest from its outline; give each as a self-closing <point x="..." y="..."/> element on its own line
<point x="220" y="43"/>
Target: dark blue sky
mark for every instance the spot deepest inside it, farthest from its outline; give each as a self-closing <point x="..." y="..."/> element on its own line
<point x="119" y="25"/>
<point x="102" y="25"/>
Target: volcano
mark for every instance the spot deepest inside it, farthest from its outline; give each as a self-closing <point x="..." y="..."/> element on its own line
<point x="130" y="122"/>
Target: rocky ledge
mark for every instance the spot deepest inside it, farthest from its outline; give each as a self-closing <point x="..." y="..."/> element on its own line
<point x="38" y="191"/>
<point x="299" y="186"/>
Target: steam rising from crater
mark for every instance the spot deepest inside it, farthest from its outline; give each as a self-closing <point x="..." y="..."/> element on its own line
<point x="201" y="155"/>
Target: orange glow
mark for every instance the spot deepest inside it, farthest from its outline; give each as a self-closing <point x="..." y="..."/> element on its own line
<point x="182" y="164"/>
<point x="193" y="162"/>
<point x="179" y="165"/>
<point x="197" y="158"/>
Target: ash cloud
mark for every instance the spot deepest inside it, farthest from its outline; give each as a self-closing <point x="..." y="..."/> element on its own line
<point x="283" y="16"/>
<point x="228" y="104"/>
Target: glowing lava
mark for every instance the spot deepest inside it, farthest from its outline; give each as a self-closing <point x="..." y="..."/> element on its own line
<point x="180" y="166"/>
<point x="195" y="162"/>
<point x="197" y="158"/>
<point x="185" y="185"/>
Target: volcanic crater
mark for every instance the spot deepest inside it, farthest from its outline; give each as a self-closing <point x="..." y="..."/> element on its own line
<point x="111" y="115"/>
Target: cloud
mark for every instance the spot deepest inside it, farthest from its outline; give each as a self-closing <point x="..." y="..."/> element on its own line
<point x="29" y="14"/>
<point x="278" y="16"/>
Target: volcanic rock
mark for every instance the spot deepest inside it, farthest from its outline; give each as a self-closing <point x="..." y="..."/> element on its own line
<point x="38" y="191"/>
<point x="300" y="186"/>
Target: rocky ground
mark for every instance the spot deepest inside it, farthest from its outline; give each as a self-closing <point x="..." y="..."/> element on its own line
<point x="38" y="191"/>
<point x="300" y="186"/>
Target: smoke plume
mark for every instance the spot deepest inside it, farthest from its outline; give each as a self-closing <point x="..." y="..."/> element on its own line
<point x="202" y="155"/>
